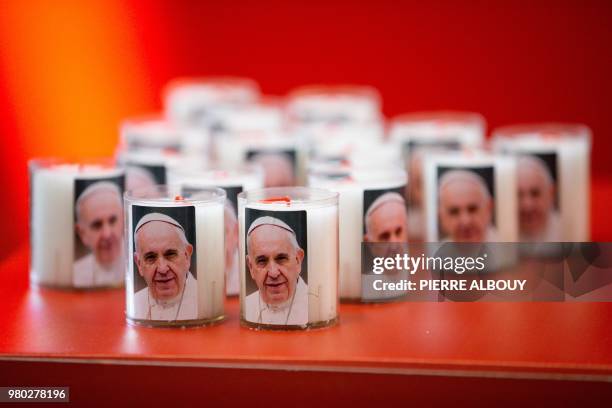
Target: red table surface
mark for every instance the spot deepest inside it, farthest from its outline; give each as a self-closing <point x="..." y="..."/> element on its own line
<point x="514" y="339"/>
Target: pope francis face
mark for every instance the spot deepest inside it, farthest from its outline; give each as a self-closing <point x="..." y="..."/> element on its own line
<point x="465" y="211"/>
<point x="387" y="223"/>
<point x="536" y="198"/>
<point x="275" y="262"/>
<point x="163" y="257"/>
<point x="100" y="225"/>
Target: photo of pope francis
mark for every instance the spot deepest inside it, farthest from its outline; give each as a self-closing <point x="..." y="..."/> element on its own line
<point x="274" y="261"/>
<point x="163" y="259"/>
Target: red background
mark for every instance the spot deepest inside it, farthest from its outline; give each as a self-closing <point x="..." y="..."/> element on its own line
<point x="70" y="70"/>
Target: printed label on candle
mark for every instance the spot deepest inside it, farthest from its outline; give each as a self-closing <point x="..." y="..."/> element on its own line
<point x="276" y="272"/>
<point x="163" y="263"/>
<point x="538" y="197"/>
<point x="385" y="220"/>
<point x="413" y="151"/>
<point x="465" y="198"/>
<point x="141" y="176"/>
<point x="98" y="241"/>
<point x="230" y="219"/>
<point x="279" y="166"/>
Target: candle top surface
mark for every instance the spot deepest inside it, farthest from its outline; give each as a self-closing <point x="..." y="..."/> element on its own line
<point x="175" y="195"/>
<point x="283" y="197"/>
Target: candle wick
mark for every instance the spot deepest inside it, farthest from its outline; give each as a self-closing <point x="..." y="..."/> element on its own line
<point x="271" y="200"/>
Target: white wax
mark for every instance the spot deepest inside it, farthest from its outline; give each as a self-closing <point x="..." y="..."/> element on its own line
<point x="334" y="104"/>
<point x="191" y="101"/>
<point x="209" y="247"/>
<point x="504" y="193"/>
<point x="216" y="178"/>
<point x="467" y="129"/>
<point x="350" y="206"/>
<point x="322" y="256"/>
<point x="573" y="170"/>
<point x="52" y="223"/>
<point x="232" y="150"/>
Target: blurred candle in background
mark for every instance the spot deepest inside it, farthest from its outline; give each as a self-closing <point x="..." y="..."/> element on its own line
<point x="421" y="133"/>
<point x="195" y="101"/>
<point x="470" y="197"/>
<point x="363" y="218"/>
<point x="76" y="223"/>
<point x="553" y="176"/>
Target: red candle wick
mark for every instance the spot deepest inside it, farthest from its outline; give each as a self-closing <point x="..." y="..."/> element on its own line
<point x="271" y="200"/>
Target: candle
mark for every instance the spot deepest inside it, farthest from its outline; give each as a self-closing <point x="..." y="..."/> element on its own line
<point x="176" y="261"/>
<point x="334" y="104"/>
<point x="276" y="153"/>
<point x="469" y="197"/>
<point x="359" y="191"/>
<point x="197" y="100"/>
<point x="553" y="179"/>
<point x="148" y="167"/>
<point x="421" y="133"/>
<point x="288" y="258"/>
<point x="76" y="224"/>
<point x="364" y="155"/>
<point x="233" y="182"/>
<point x="156" y="134"/>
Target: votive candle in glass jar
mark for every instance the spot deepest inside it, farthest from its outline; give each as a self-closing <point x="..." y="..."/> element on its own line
<point x="288" y="258"/>
<point x="175" y="272"/>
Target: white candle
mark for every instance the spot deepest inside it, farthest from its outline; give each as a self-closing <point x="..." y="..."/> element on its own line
<point x="156" y="134"/>
<point x="196" y="101"/>
<point x="352" y="185"/>
<point x="76" y="244"/>
<point x="363" y="155"/>
<point x="319" y="285"/>
<point x="335" y="104"/>
<point x="421" y="133"/>
<point x="554" y="162"/>
<point x="470" y="196"/>
<point x="148" y="167"/>
<point x="276" y="153"/>
<point x="233" y="182"/>
<point x="163" y="285"/>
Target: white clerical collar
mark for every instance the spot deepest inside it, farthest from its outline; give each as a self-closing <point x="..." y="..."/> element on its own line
<point x="281" y="306"/>
<point x="169" y="303"/>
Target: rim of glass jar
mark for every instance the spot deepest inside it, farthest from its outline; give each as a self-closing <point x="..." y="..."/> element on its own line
<point x="47" y="162"/>
<point x="276" y="195"/>
<point x="171" y="193"/>
<point x="366" y="91"/>
<point x="443" y="116"/>
<point x="558" y="130"/>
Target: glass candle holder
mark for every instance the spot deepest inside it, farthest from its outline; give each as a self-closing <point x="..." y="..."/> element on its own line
<point x="195" y="100"/>
<point x="337" y="104"/>
<point x="176" y="257"/>
<point x="233" y="182"/>
<point x="470" y="197"/>
<point x="421" y="134"/>
<point x="76" y="223"/>
<point x="288" y="258"/>
<point x="553" y="179"/>
<point x="372" y="209"/>
<point x="275" y="152"/>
